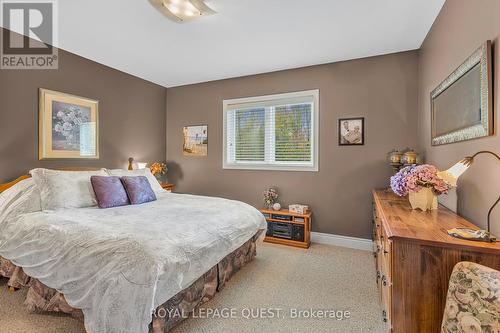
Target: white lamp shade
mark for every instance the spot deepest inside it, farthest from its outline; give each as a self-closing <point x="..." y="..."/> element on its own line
<point x="452" y="174"/>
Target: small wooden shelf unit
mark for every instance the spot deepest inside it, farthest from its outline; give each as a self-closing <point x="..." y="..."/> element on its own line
<point x="302" y="223"/>
<point x="168" y="187"/>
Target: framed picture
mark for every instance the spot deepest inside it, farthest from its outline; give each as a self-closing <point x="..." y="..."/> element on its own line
<point x="195" y="140"/>
<point x="351" y="131"/>
<point x="68" y="126"/>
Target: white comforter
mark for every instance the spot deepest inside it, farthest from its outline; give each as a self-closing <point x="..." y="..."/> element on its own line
<point x="119" y="264"/>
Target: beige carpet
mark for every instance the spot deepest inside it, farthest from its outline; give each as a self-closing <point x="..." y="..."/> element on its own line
<point x="322" y="278"/>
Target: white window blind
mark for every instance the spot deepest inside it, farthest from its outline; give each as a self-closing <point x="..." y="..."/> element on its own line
<point x="277" y="132"/>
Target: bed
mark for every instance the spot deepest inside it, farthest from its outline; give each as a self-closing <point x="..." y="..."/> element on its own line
<point x="134" y="268"/>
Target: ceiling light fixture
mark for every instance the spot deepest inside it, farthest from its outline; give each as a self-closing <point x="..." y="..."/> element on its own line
<point x="182" y="10"/>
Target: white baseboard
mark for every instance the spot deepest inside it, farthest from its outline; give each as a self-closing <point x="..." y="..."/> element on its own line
<point x="344" y="241"/>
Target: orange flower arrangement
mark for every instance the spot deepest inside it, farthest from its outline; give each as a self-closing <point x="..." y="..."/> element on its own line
<point x="158" y="168"/>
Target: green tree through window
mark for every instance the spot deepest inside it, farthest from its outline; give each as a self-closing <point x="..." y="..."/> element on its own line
<point x="272" y="132"/>
<point x="293" y="133"/>
<point x="250" y="134"/>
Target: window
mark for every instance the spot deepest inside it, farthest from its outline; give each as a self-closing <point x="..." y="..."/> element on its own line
<point x="276" y="132"/>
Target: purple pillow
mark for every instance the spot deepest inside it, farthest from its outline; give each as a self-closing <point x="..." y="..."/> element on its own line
<point x="109" y="191"/>
<point x="138" y="189"/>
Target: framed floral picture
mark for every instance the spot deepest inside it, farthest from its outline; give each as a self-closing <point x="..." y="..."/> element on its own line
<point x="68" y="126"/>
<point x="351" y="131"/>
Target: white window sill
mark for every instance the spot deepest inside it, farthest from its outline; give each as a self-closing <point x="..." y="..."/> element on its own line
<point x="271" y="167"/>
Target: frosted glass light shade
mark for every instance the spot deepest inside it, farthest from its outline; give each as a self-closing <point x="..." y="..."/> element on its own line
<point x="452" y="174"/>
<point x="182" y="10"/>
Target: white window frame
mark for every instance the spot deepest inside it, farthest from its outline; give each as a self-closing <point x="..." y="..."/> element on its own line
<point x="285" y="166"/>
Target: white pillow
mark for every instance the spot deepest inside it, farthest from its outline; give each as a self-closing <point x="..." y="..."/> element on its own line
<point x="155" y="185"/>
<point x="65" y="189"/>
<point x="21" y="198"/>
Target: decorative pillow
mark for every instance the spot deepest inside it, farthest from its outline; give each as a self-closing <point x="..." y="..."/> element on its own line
<point x="109" y="191"/>
<point x="65" y="189"/>
<point x="153" y="182"/>
<point x="138" y="189"/>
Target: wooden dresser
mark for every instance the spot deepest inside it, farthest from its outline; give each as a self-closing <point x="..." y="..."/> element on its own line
<point x="415" y="257"/>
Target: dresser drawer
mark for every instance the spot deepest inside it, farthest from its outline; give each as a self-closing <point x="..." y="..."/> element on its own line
<point x="377" y="246"/>
<point x="376" y="217"/>
<point x="386" y="253"/>
<point x="382" y="248"/>
<point x="386" y="297"/>
<point x="385" y="287"/>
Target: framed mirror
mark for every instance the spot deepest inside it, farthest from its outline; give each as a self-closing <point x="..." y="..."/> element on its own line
<point x="461" y="106"/>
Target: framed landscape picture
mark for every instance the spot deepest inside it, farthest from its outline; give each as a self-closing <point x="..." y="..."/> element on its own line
<point x="68" y="126"/>
<point x="351" y="131"/>
<point x="195" y="140"/>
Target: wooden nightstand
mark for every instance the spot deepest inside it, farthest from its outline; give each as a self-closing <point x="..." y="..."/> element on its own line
<point x="284" y="227"/>
<point x="167" y="186"/>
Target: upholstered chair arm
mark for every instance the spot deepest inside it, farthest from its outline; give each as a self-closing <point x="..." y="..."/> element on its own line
<point x="473" y="300"/>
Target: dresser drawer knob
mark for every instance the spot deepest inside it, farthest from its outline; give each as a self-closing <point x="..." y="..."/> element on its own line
<point x="384" y="281"/>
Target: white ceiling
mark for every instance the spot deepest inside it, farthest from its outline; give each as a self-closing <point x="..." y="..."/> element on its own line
<point x="244" y="37"/>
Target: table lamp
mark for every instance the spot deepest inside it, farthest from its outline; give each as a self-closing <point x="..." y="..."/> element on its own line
<point x="132" y="165"/>
<point x="451" y="176"/>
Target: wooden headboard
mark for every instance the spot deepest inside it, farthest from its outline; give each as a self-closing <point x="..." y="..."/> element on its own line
<point x="8" y="185"/>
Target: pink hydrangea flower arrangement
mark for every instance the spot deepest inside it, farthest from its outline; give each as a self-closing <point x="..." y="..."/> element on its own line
<point x="415" y="177"/>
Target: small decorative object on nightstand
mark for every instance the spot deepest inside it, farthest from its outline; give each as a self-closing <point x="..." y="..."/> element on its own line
<point x="270" y="197"/>
<point x="297" y="208"/>
<point x="287" y="228"/>
<point x="167" y="186"/>
<point x="158" y="169"/>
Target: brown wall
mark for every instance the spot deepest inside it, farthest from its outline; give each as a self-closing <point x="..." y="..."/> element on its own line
<point x="131" y="114"/>
<point x="461" y="27"/>
<point x="382" y="89"/>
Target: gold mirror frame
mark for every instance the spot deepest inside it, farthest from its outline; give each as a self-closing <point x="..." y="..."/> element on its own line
<point x="481" y="56"/>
